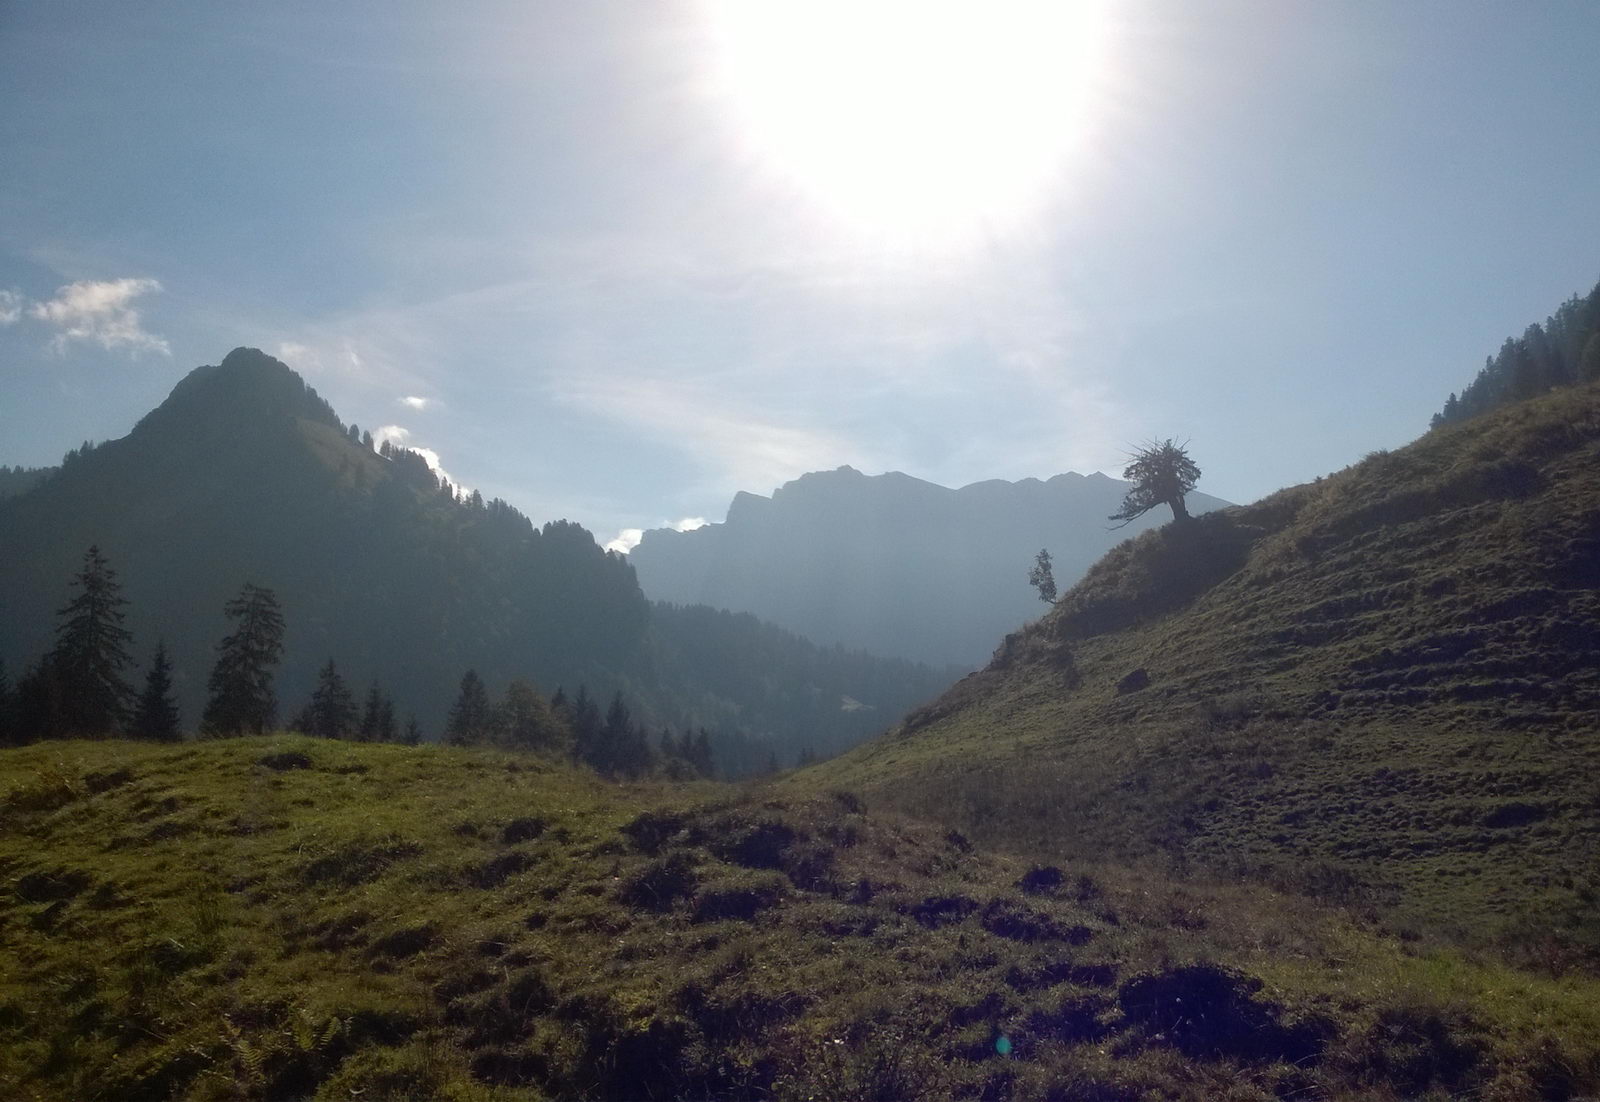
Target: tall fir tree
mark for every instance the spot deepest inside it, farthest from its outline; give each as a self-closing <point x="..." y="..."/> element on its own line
<point x="155" y="716"/>
<point x="37" y="704"/>
<point x="388" y="730"/>
<point x="700" y="755"/>
<point x="471" y="716"/>
<point x="332" y="711"/>
<point x="587" y="727"/>
<point x="242" y="699"/>
<point x="91" y="652"/>
<point x="371" y="715"/>
<point x="623" y="750"/>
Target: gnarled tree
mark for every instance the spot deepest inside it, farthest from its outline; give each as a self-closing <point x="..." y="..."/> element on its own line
<point x="1161" y="473"/>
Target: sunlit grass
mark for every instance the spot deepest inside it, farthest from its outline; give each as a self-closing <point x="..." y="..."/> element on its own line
<point x="382" y="922"/>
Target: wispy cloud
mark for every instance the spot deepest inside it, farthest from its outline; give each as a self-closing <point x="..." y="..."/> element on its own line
<point x="11" y="305"/>
<point x="100" y="312"/>
<point x="764" y="449"/>
<point x="416" y="403"/>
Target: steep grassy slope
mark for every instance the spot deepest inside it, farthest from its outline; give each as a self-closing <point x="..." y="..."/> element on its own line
<point x="1384" y="683"/>
<point x="282" y="918"/>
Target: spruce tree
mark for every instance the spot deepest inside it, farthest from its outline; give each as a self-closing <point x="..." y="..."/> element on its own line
<point x="155" y="716"/>
<point x="587" y="728"/>
<point x="91" y="652"/>
<point x="37" y="706"/>
<point x="470" y="716"/>
<point x="624" y="751"/>
<point x="413" y="733"/>
<point x="332" y="711"/>
<point x="372" y="715"/>
<point x="242" y="700"/>
<point x="1589" y="359"/>
<point x="700" y="756"/>
<point x="388" y="731"/>
<point x="527" y="722"/>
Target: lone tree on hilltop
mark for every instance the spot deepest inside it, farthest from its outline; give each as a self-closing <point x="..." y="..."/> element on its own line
<point x="242" y="700"/>
<point x="92" y="651"/>
<point x="1161" y="473"/>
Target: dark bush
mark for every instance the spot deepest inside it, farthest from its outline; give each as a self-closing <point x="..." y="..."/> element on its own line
<point x="651" y="829"/>
<point x="289" y="759"/>
<point x="406" y="943"/>
<point x="659" y="884"/>
<point x="1041" y="880"/>
<point x="1208" y="1012"/>
<point x="740" y="899"/>
<point x="1009" y="919"/>
<point x="496" y="871"/>
<point x="942" y="910"/>
<point x="522" y="830"/>
<point x="1415" y="1049"/>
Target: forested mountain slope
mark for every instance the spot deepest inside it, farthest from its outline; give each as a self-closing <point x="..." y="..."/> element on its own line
<point x="1384" y="684"/>
<point x="889" y="563"/>
<point x="245" y="474"/>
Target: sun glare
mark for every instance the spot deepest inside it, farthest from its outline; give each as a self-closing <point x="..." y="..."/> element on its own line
<point x="923" y="122"/>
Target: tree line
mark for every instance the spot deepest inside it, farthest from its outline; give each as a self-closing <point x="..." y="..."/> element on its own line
<point x="80" y="689"/>
<point x="1564" y="351"/>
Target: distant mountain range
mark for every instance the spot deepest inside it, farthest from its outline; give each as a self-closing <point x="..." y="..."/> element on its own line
<point x="245" y="474"/>
<point x="890" y="563"/>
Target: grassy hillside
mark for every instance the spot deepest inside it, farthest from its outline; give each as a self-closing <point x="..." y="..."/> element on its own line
<point x="283" y="918"/>
<point x="1382" y="686"/>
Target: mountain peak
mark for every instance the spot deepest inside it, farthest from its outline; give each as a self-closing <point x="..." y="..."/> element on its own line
<point x="247" y="383"/>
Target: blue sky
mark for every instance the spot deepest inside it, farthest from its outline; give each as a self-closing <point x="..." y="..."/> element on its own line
<point x="613" y="293"/>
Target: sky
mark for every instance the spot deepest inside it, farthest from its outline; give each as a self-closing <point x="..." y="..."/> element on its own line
<point x="616" y="261"/>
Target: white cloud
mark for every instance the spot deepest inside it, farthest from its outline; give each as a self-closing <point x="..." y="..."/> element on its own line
<point x="100" y="312"/>
<point x="392" y="433"/>
<point x="11" y="304"/>
<point x="629" y="538"/>
<point x="397" y="435"/>
<point x="626" y="540"/>
<point x="414" y="402"/>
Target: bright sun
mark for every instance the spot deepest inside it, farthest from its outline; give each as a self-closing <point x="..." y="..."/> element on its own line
<point x="921" y="122"/>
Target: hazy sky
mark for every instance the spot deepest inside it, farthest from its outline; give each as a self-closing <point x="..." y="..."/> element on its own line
<point x="615" y="261"/>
